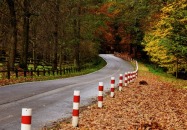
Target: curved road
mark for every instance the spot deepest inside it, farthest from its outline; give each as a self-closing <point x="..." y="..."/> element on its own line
<point x="52" y="100"/>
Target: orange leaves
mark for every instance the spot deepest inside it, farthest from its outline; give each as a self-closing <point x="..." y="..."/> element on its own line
<point x="155" y="106"/>
<point x="104" y="9"/>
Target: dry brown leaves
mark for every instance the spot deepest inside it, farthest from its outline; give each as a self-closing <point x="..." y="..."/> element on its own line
<point x="156" y="106"/>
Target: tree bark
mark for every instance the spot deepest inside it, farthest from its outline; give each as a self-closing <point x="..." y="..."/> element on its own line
<point x="55" y="47"/>
<point x="77" y="27"/>
<point x="26" y="25"/>
<point x="177" y="67"/>
<point x="13" y="46"/>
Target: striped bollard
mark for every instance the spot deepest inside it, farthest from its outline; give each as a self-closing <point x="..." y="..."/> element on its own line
<point x="112" y="87"/>
<point x="126" y="79"/>
<point x="131" y="77"/>
<point x="134" y="76"/>
<point x="100" y="95"/>
<point x="26" y="119"/>
<point x="75" y="113"/>
<point x="120" y="82"/>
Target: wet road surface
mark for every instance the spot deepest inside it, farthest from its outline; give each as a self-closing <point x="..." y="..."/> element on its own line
<point x="52" y="100"/>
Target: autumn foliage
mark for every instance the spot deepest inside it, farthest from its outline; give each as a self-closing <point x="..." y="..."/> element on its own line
<point x="166" y="41"/>
<point x="113" y="33"/>
<point x="148" y="29"/>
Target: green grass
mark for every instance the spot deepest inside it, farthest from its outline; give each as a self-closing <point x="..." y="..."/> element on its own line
<point x="40" y="67"/>
<point x="94" y="66"/>
<point x="158" y="71"/>
<point x="163" y="76"/>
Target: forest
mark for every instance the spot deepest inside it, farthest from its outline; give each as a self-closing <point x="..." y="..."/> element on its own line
<point x="58" y="32"/>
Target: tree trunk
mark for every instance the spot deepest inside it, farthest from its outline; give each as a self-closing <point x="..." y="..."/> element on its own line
<point x="77" y="35"/>
<point x="24" y="55"/>
<point x="177" y="66"/>
<point x="55" y="47"/>
<point x="34" y="55"/>
<point x="13" y="46"/>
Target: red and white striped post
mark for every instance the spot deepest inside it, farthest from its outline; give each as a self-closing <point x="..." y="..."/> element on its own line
<point x="120" y="82"/>
<point x="26" y="119"/>
<point x="100" y="95"/>
<point x="133" y="76"/>
<point x="75" y="113"/>
<point x="130" y="77"/>
<point x="126" y="79"/>
<point x="112" y="87"/>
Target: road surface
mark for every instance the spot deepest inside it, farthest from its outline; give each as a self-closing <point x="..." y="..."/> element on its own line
<point x="52" y="100"/>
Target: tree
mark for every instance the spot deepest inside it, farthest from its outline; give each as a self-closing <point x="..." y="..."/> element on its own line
<point x="56" y="34"/>
<point x="169" y="33"/>
<point x="13" y="46"/>
<point x="49" y="32"/>
<point x="26" y="26"/>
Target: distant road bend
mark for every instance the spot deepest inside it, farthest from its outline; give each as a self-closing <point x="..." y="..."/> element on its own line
<point x="52" y="100"/>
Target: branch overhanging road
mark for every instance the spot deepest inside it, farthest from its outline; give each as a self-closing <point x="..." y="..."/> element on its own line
<point x="52" y="100"/>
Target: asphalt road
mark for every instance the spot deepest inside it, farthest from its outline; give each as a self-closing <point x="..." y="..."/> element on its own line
<point x="52" y="100"/>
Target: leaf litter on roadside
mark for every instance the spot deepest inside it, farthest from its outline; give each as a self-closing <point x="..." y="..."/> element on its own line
<point x="155" y="105"/>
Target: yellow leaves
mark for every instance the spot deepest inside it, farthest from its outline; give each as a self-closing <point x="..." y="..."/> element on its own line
<point x="166" y="36"/>
<point x="177" y="5"/>
<point x="117" y="11"/>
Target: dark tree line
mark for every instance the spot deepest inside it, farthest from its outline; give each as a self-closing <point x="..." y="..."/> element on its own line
<point x="52" y="31"/>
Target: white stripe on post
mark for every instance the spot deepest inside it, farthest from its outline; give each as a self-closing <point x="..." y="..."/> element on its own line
<point x="112" y="87"/>
<point x="26" y="119"/>
<point x="100" y="95"/>
<point x="120" y="82"/>
<point x="75" y="113"/>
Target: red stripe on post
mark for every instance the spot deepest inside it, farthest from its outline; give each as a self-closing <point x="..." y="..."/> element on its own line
<point x="75" y="113"/>
<point x="112" y="81"/>
<point x="26" y="120"/>
<point x="121" y="78"/>
<point x="100" y="98"/>
<point x="120" y="84"/>
<point x="112" y="89"/>
<point x="100" y="88"/>
<point x="76" y="99"/>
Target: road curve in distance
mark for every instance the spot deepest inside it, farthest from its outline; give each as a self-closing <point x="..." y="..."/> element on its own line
<point x="52" y="100"/>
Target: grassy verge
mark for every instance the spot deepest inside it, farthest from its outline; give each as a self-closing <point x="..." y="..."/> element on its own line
<point x="100" y="63"/>
<point x="162" y="76"/>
